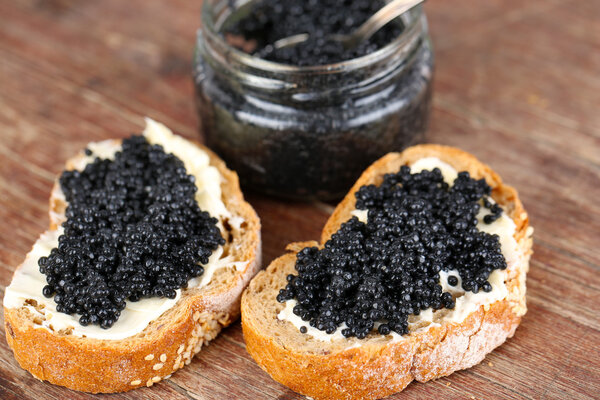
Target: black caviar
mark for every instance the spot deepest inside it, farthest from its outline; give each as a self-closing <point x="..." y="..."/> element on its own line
<point x="452" y="281"/>
<point x="387" y="269"/>
<point x="307" y="132"/>
<point x="133" y="230"/>
<point x="271" y="20"/>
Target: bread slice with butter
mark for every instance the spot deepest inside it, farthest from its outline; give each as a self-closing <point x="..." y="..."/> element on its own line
<point x="153" y="337"/>
<point x="332" y="366"/>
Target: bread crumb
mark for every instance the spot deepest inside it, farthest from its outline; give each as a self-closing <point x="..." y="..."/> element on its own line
<point x="447" y="383"/>
<point x="491" y="364"/>
<point x="149" y="357"/>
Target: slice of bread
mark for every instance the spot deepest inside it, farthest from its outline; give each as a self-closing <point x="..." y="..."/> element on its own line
<point x="168" y="342"/>
<point x="377" y="366"/>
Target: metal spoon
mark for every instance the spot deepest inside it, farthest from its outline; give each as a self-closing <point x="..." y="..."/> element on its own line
<point x="377" y="21"/>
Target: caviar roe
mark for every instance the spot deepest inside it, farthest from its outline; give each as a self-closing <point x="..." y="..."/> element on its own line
<point x="133" y="230"/>
<point x="375" y="275"/>
<point x="271" y="20"/>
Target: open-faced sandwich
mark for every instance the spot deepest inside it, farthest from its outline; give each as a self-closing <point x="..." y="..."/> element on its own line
<point x="420" y="272"/>
<point x="149" y="248"/>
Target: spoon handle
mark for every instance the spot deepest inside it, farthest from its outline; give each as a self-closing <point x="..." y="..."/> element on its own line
<point x="379" y="19"/>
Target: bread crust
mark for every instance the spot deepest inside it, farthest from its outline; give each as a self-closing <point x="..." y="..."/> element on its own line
<point x="378" y="368"/>
<point x="167" y="344"/>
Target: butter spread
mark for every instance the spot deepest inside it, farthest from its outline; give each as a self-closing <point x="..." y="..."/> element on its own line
<point x="28" y="282"/>
<point x="361" y="215"/>
<point x="465" y="301"/>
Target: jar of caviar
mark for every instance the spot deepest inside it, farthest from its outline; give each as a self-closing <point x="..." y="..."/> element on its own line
<point x="309" y="131"/>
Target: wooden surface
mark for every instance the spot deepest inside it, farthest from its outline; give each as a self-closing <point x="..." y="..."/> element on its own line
<point x="517" y="84"/>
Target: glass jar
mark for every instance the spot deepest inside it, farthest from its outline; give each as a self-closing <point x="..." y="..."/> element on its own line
<point x="309" y="132"/>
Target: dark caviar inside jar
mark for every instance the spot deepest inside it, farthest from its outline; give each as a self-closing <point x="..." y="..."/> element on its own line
<point x="306" y="126"/>
<point x="272" y="20"/>
<point x="382" y="271"/>
<point x="133" y="230"/>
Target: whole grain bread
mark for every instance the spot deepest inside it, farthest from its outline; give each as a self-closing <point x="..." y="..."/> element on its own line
<point x="167" y="343"/>
<point x="377" y="366"/>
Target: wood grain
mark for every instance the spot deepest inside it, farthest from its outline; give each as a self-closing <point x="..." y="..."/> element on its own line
<point x="517" y="84"/>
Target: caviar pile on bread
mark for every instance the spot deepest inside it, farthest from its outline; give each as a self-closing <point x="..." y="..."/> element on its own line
<point x="420" y="272"/>
<point x="149" y="248"/>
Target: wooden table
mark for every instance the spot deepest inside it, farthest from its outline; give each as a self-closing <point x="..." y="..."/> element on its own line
<point x="517" y="84"/>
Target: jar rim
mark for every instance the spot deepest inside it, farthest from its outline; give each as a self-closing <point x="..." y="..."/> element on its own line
<point x="413" y="27"/>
